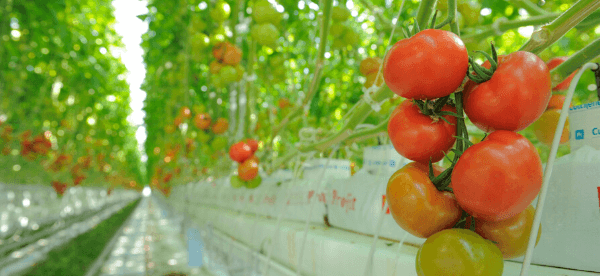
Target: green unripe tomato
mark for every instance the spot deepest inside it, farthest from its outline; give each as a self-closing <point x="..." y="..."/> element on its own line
<point x="200" y="41"/>
<point x="254" y="183"/>
<point x="228" y="74"/>
<point x="340" y="13"/>
<point x="219" y="143"/>
<point x="459" y="252"/>
<point x="265" y="34"/>
<point x="337" y="30"/>
<point x="203" y="137"/>
<point x="264" y="12"/>
<point x="236" y="182"/>
<point x="351" y="38"/>
<point x="198" y="24"/>
<point x="220" y="12"/>
<point x="471" y="12"/>
<point x="240" y="72"/>
<point x="338" y="44"/>
<point x="277" y="60"/>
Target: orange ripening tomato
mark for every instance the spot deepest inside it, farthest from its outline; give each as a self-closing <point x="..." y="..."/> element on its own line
<point x="369" y="65"/>
<point x="557" y="101"/>
<point x="417" y="205"/>
<point x="510" y="235"/>
<point x="202" y="121"/>
<point x="220" y="126"/>
<point x="227" y="53"/>
<point x="248" y="170"/>
<point x="545" y="127"/>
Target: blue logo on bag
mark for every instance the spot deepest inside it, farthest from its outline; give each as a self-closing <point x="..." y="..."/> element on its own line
<point x="579" y="134"/>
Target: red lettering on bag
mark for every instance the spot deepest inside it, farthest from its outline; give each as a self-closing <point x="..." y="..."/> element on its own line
<point x="383" y="205"/>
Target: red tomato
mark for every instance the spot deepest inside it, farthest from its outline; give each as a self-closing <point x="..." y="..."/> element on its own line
<point x="248" y="170"/>
<point x="416" y="204"/>
<point x="515" y="96"/>
<point x="499" y="177"/>
<point x="417" y="136"/>
<point x="240" y="152"/>
<point x="432" y="64"/>
<point x="510" y="235"/>
<point x="253" y="144"/>
<point x="564" y="85"/>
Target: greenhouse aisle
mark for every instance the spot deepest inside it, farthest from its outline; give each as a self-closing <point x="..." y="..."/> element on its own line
<point x="150" y="243"/>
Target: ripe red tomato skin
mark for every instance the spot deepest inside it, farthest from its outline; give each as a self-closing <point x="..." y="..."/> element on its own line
<point x="432" y="64"/>
<point x="240" y="152"/>
<point x="497" y="178"/>
<point x="516" y="95"/>
<point x="564" y="85"/>
<point x="416" y="204"/>
<point x="253" y="144"/>
<point x="416" y="137"/>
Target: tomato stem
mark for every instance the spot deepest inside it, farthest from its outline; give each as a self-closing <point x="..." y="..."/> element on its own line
<point x="548" y="34"/>
<point x="481" y="73"/>
<point x="575" y="61"/>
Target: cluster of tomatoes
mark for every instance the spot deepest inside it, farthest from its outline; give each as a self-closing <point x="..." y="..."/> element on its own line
<point x="202" y="121"/>
<point x="243" y="153"/>
<point x="39" y="147"/>
<point x="226" y="68"/>
<point x="266" y="18"/>
<point x="343" y="35"/>
<point x="477" y="212"/>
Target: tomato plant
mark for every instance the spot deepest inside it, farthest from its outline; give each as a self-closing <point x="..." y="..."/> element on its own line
<point x="459" y="252"/>
<point x="497" y="178"/>
<point x="420" y="137"/>
<point x="416" y="204"/>
<point x="432" y="64"/>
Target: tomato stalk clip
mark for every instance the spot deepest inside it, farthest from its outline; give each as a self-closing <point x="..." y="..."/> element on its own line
<point x="482" y="74"/>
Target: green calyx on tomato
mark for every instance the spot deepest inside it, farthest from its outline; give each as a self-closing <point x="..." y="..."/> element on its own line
<point x="516" y="95"/>
<point x="420" y="136"/>
<point x="459" y="252"/>
<point x="482" y="74"/>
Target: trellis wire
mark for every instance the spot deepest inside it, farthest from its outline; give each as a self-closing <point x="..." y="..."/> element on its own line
<point x="548" y="171"/>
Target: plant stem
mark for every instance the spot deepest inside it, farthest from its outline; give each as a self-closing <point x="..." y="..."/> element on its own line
<point x="425" y="12"/>
<point x="377" y="12"/>
<point x="575" y="61"/>
<point x="550" y="33"/>
<point x="318" y="69"/>
<point x="250" y="97"/>
<point x="530" y="7"/>
<point x="361" y="112"/>
<point x="509" y="25"/>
